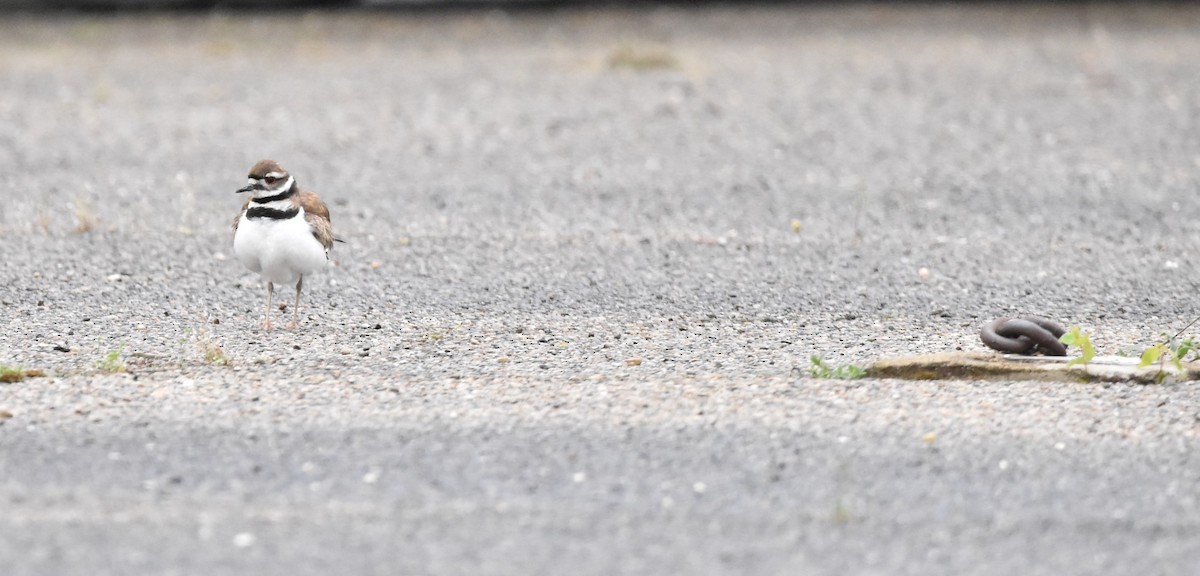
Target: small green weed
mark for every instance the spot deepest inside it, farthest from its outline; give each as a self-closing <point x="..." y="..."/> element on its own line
<point x="111" y="361"/>
<point x="10" y="374"/>
<point x="209" y="351"/>
<point x="215" y="356"/>
<point x="1082" y="340"/>
<point x="819" y="369"/>
<point x="1167" y="352"/>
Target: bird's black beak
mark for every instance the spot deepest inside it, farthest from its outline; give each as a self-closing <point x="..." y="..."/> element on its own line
<point x="250" y="188"/>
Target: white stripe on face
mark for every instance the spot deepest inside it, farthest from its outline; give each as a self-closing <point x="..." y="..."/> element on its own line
<point x="271" y="191"/>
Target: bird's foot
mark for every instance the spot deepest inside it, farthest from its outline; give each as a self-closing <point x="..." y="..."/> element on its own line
<point x="292" y="325"/>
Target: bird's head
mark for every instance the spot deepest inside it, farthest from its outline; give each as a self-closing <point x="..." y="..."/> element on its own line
<point x="267" y="178"/>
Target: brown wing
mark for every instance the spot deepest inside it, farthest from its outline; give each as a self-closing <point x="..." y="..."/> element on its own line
<point x="238" y="218"/>
<point x="317" y="215"/>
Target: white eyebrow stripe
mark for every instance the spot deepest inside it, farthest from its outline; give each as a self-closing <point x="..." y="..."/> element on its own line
<point x="274" y="175"/>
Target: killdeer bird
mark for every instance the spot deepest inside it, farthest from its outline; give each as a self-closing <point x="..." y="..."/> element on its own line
<point x="281" y="232"/>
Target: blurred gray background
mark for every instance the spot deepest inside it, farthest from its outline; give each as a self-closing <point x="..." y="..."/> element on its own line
<point x="590" y="250"/>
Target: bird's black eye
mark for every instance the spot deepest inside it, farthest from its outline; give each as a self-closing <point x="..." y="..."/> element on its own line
<point x="270" y="179"/>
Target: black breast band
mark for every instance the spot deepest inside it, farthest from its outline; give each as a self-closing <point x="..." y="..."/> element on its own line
<point x="273" y="214"/>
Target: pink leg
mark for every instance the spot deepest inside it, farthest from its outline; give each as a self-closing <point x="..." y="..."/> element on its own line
<point x="267" y="318"/>
<point x="296" y="312"/>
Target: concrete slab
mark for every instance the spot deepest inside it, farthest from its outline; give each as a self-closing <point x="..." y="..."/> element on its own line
<point x="983" y="366"/>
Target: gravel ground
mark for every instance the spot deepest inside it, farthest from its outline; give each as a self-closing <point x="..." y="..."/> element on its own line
<point x="588" y="255"/>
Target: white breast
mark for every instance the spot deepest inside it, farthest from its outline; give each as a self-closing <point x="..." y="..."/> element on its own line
<point x="279" y="250"/>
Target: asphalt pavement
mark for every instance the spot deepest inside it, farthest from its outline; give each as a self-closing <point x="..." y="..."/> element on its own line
<point x="589" y="252"/>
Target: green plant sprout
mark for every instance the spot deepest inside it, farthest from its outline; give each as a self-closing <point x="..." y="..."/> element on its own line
<point x="10" y="374"/>
<point x="111" y="361"/>
<point x="819" y="369"/>
<point x="1081" y="339"/>
<point x="1169" y="351"/>
<point x="208" y="350"/>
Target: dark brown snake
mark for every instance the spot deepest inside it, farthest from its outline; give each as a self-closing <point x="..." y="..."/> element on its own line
<point x="1024" y="336"/>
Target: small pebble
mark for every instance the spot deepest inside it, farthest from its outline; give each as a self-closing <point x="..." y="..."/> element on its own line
<point x="243" y="540"/>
